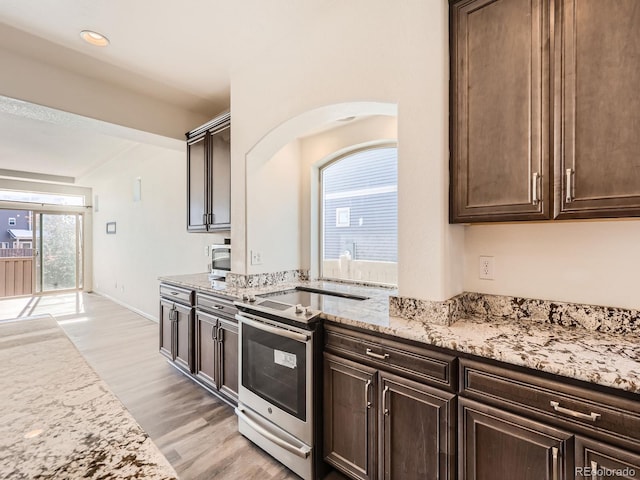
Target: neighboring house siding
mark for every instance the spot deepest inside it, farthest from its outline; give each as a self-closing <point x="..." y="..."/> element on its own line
<point x="365" y="183"/>
<point x="22" y="223"/>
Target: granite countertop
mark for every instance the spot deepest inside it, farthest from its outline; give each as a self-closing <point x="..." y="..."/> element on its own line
<point x="59" y="419"/>
<point x="612" y="360"/>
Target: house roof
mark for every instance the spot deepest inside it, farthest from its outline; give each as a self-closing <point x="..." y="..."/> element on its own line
<point x="20" y="234"/>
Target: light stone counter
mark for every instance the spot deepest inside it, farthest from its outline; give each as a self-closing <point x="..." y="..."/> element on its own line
<point x="58" y="419"/>
<point x="609" y="359"/>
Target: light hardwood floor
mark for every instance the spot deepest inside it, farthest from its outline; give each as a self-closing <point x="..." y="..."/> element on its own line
<point x="193" y="429"/>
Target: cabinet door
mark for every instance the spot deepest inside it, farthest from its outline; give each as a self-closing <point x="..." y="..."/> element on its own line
<point x="418" y="430"/>
<point x="350" y="417"/>
<point x="228" y="358"/>
<point x="499" y="110"/>
<point x="598" y="461"/>
<point x="184" y="337"/>
<point x="495" y="445"/>
<point x="220" y="178"/>
<point x="166" y="329"/>
<point x="197" y="203"/>
<point x="206" y="339"/>
<point x="598" y="129"/>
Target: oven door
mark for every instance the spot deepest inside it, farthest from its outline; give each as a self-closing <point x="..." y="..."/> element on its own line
<point x="275" y="372"/>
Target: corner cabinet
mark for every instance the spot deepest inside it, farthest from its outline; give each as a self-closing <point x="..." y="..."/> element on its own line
<point x="209" y="176"/>
<point x="545" y="116"/>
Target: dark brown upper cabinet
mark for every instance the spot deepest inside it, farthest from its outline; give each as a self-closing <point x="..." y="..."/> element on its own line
<point x="499" y="110"/>
<point x="545" y="111"/>
<point x="597" y="81"/>
<point x="209" y="176"/>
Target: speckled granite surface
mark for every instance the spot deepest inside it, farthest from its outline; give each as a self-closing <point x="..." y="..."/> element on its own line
<point x="594" y="344"/>
<point x="58" y="420"/>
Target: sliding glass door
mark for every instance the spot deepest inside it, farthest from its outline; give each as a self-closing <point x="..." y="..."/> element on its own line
<point x="58" y="238"/>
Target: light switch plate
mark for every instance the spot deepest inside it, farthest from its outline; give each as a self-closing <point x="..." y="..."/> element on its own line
<point x="256" y="257"/>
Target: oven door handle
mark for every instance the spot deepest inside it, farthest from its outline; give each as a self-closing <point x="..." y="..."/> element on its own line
<point x="300" y="337"/>
<point x="302" y="452"/>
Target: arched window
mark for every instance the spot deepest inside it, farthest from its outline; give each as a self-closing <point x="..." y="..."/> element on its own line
<point x="360" y="216"/>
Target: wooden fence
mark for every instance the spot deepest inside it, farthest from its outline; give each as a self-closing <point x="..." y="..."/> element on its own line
<point x="16" y="271"/>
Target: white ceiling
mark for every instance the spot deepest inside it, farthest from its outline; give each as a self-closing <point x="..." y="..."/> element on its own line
<point x="182" y="52"/>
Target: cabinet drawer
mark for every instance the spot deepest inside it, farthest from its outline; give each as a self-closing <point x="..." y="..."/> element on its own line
<point x="216" y="305"/>
<point x="581" y="409"/>
<point x="426" y="366"/>
<point x="176" y="294"/>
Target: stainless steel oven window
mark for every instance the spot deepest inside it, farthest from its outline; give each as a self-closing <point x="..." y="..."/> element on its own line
<point x="274" y="368"/>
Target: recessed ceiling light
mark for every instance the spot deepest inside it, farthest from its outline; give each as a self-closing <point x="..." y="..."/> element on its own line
<point x="94" y="38"/>
<point x="346" y="119"/>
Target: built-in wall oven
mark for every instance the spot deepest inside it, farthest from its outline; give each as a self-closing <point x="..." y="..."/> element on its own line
<point x="279" y="375"/>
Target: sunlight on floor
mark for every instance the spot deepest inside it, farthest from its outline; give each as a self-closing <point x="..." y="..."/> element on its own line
<point x="59" y="305"/>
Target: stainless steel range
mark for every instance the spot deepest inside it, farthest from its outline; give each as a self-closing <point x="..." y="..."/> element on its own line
<point x="279" y="375"/>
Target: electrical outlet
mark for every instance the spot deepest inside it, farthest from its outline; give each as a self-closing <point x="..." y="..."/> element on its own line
<point x="256" y="257"/>
<point x="486" y="271"/>
<point x="206" y="251"/>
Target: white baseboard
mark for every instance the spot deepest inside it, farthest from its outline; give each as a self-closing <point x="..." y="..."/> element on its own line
<point x="127" y="306"/>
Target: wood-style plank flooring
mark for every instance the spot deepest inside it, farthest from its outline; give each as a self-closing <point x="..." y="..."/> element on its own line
<point x="193" y="429"/>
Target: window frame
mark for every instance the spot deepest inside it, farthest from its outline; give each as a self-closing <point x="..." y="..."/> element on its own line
<point x="320" y="198"/>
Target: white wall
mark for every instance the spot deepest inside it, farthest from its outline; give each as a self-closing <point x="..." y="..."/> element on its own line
<point x="274" y="207"/>
<point x="151" y="238"/>
<point x="593" y="262"/>
<point x="366" y="50"/>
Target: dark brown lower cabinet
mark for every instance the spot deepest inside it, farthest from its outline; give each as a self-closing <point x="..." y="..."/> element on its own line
<point x="595" y="460"/>
<point x="379" y="425"/>
<point x="175" y="333"/>
<point x="228" y="358"/>
<point x="166" y="329"/>
<point x="350" y="408"/>
<point x="206" y="351"/>
<point x="216" y="358"/>
<point x="497" y="445"/>
<point x="417" y="430"/>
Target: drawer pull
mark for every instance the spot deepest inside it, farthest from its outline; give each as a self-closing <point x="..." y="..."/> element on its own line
<point x="583" y="416"/>
<point x="377" y="355"/>
<point x="594" y="470"/>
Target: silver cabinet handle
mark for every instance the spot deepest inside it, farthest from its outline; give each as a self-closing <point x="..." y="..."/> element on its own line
<point x="367" y="386"/>
<point x="534" y="188"/>
<point x="554" y="454"/>
<point x="302" y="452"/>
<point x="377" y="355"/>
<point x="583" y="416"/>
<point x="594" y="470"/>
<point x="217" y="307"/>
<point x="220" y="334"/>
<point x="211" y="218"/>
<point x="204" y="218"/>
<point x="385" y="398"/>
<point x="568" y="198"/>
<point x="214" y="330"/>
